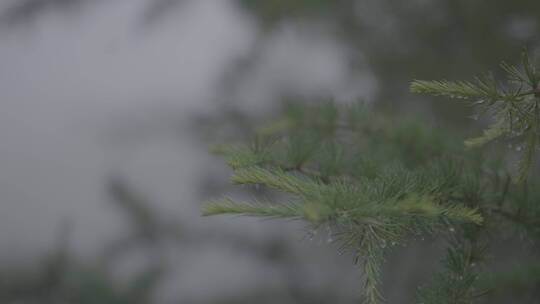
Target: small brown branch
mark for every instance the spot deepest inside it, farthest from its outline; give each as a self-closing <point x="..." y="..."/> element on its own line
<point x="317" y="174"/>
<point x="536" y="93"/>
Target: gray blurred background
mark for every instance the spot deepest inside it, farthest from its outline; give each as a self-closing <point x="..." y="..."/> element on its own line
<point x="107" y="108"/>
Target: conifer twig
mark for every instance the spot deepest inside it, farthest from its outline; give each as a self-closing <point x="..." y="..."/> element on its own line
<point x="536" y="92"/>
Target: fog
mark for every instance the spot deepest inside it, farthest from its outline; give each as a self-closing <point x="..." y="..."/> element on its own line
<point x="108" y="107"/>
<point x="97" y="93"/>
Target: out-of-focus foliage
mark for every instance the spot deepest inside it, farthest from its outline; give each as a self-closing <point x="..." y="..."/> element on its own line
<point x="62" y="278"/>
<point x="402" y="40"/>
<point x="24" y="11"/>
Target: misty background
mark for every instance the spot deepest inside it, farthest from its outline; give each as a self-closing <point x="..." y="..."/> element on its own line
<point x="107" y="108"/>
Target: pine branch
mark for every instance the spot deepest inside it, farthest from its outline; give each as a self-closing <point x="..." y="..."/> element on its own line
<point x="456" y="285"/>
<point x="493" y="132"/>
<point x="485" y="89"/>
<point x="368" y="219"/>
<point x="227" y="205"/>
<point x="275" y="178"/>
<point x="516" y="113"/>
<point x="371" y="204"/>
<point x="238" y="155"/>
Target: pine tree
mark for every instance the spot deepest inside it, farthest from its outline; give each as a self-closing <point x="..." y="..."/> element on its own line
<point x="377" y="179"/>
